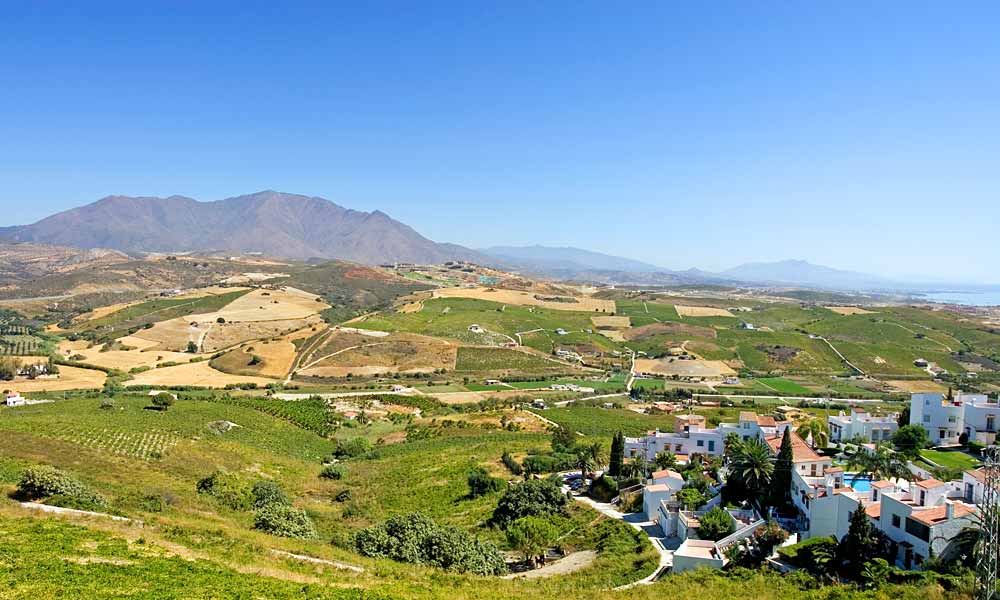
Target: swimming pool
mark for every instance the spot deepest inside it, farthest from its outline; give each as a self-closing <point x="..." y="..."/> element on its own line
<point x="858" y="482"/>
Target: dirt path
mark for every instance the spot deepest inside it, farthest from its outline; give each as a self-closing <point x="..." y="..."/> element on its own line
<point x="568" y="564"/>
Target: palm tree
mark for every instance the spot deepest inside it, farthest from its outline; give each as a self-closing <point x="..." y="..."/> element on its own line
<point x="754" y="466"/>
<point x="881" y="463"/>
<point x="596" y="451"/>
<point x="815" y="429"/>
<point x="584" y="462"/>
<point x="734" y="446"/>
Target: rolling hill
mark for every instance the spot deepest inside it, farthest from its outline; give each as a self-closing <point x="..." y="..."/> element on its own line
<point x="272" y="223"/>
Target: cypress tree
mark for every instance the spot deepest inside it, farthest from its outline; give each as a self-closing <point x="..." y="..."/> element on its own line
<point x="617" y="455"/>
<point x="781" y="490"/>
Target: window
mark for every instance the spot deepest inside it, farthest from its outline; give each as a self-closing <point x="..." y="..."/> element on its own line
<point x="927" y="418"/>
<point x="874" y="495"/>
<point x="711" y="445"/>
<point x="918" y="529"/>
<point x="923" y="498"/>
<point x="701" y="443"/>
<point x="896" y="521"/>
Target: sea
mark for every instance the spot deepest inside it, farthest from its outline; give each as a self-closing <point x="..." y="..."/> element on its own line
<point x="991" y="298"/>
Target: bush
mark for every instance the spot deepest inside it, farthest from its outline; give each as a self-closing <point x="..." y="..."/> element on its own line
<point x="48" y="482"/>
<point x="715" y="525"/>
<point x="353" y="448"/>
<point x="334" y="472"/>
<point x="284" y="521"/>
<point x="481" y="484"/>
<point x="416" y="539"/>
<point x="343" y="496"/>
<point x="266" y="493"/>
<point x="603" y="489"/>
<point x="228" y="489"/>
<point x="107" y="404"/>
<point x="804" y="553"/>
<point x="531" y="498"/>
<point x="163" y="400"/>
<point x="511" y="464"/>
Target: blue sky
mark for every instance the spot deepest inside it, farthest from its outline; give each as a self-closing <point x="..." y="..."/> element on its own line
<point x="857" y="136"/>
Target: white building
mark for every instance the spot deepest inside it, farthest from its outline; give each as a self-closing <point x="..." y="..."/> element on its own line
<point x="14" y="399"/>
<point x="920" y="518"/>
<point x="691" y="436"/>
<point x="660" y="489"/>
<point x="946" y="417"/>
<point x="860" y="424"/>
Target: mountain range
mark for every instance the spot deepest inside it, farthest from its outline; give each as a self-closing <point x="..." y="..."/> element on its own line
<point x="313" y="228"/>
<point x="269" y="222"/>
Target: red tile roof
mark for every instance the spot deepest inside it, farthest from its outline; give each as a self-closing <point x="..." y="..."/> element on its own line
<point x="933" y="516"/>
<point x="928" y="484"/>
<point x="766" y="422"/>
<point x="882" y="484"/>
<point x="978" y="474"/>
<point x="874" y="510"/>
<point x="665" y="473"/>
<point x="801" y="451"/>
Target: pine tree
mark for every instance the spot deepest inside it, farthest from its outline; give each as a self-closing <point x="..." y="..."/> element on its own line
<point x="862" y="544"/>
<point x="783" y="467"/>
<point x="617" y="455"/>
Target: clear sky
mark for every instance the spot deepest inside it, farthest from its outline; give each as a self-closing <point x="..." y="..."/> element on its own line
<point x="857" y="135"/>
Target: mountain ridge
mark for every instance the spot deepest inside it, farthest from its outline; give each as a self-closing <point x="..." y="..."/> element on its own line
<point x="273" y="223"/>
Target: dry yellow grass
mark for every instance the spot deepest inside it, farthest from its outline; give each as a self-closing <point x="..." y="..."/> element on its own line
<point x="271" y="305"/>
<point x="683" y="368"/>
<point x="70" y="378"/>
<point x="226" y="335"/>
<point x="199" y="374"/>
<point x="850" y="310"/>
<point x="582" y="304"/>
<point x="103" y="311"/>
<point x="611" y="322"/>
<point x="917" y="386"/>
<point x="702" y="311"/>
<point x="397" y="353"/>
<point x="278" y="355"/>
<point x="119" y="359"/>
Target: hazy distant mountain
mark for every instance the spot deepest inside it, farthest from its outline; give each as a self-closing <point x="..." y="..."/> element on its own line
<point x="273" y="223"/>
<point x="567" y="259"/>
<point x="802" y="273"/>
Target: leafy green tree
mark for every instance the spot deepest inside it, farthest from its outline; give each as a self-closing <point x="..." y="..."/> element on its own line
<point x="904" y="416"/>
<point x="814" y="429"/>
<point x="192" y="348"/>
<point x="715" y="525"/>
<point x="563" y="440"/>
<point x="481" y="483"/>
<point x="531" y="536"/>
<point x="584" y="462"/>
<point x="352" y="448"/>
<point x="536" y="497"/>
<point x="784" y="465"/>
<point x="910" y="440"/>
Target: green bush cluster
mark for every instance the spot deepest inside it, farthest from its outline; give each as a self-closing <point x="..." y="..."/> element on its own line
<point x="284" y="520"/>
<point x="481" y="483"/>
<point x="60" y="488"/>
<point x="417" y="539"/>
<point x="536" y="497"/>
<point x="334" y="472"/>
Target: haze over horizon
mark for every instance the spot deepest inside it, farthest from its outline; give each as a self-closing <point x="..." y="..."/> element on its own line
<point x="857" y="138"/>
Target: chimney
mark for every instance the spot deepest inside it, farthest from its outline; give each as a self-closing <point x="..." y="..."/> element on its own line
<point x="949" y="510"/>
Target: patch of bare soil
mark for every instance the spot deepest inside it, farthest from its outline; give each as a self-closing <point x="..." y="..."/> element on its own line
<point x="678" y="329"/>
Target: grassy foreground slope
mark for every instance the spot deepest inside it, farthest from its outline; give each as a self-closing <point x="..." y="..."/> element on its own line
<point x="189" y="545"/>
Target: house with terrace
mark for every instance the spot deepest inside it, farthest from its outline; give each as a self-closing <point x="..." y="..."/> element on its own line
<point x="947" y="416"/>
<point x="920" y="519"/>
<point x="859" y="424"/>
<point x="692" y="436"/>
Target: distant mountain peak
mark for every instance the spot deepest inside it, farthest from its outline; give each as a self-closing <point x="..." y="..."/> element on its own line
<point x="272" y="222"/>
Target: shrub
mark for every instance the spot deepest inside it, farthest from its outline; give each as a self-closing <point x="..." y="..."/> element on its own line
<point x="511" y="464"/>
<point x="228" y="489"/>
<point x="804" y="553"/>
<point x="192" y="348"/>
<point x="531" y="536"/>
<point x="416" y="539"/>
<point x="603" y="489"/>
<point x="107" y="404"/>
<point x="343" y="496"/>
<point x="481" y="484"/>
<point x="334" y="472"/>
<point x="266" y="493"/>
<point x="284" y="521"/>
<point x="353" y="448"/>
<point x="715" y="525"/>
<point x="531" y="498"/>
<point x="45" y="481"/>
<point x="163" y="400"/>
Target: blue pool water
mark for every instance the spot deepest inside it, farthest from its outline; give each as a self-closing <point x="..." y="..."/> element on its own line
<point x="860" y="484"/>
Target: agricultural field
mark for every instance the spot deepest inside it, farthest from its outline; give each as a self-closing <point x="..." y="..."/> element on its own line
<point x="503" y="359"/>
<point x="133" y="317"/>
<point x="575" y="303"/>
<point x="200" y="374"/>
<point x="783" y="386"/>
<point x="69" y="378"/>
<point x="395" y="353"/>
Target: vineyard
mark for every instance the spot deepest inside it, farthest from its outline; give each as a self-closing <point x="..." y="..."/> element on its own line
<point x="144" y="445"/>
<point x="311" y="414"/>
